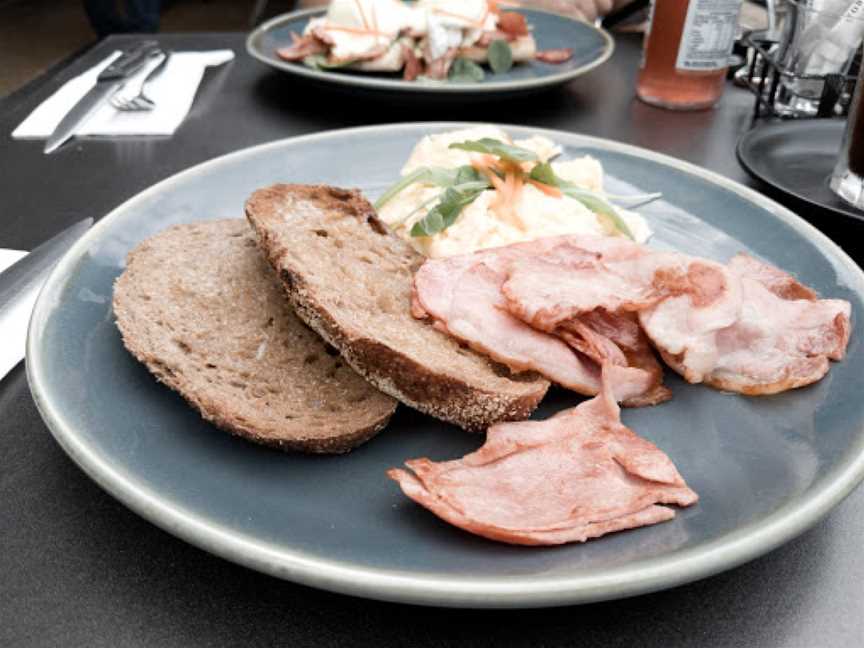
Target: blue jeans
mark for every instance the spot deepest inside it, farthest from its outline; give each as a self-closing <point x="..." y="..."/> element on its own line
<point x="137" y="16"/>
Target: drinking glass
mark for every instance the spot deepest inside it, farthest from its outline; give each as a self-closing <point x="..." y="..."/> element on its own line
<point x="819" y="38"/>
<point x="847" y="180"/>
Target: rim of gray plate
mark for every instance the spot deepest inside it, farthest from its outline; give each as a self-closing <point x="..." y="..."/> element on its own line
<point x="377" y="83"/>
<point x="746" y="543"/>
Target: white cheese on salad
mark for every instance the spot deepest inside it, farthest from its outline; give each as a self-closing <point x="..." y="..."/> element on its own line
<point x="479" y="225"/>
<point x="357" y="29"/>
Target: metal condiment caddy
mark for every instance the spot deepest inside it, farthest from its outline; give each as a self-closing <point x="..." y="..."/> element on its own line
<point x="763" y="75"/>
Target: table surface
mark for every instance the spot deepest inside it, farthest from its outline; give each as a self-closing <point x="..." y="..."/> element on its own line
<point x="78" y="569"/>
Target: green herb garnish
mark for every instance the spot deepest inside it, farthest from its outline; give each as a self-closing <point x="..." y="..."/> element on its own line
<point x="463" y="184"/>
<point x="500" y="56"/>
<point x="544" y="173"/>
<point x="465" y="71"/>
<point x="599" y="206"/>
<point x="321" y="62"/>
<point x="498" y="148"/>
<point x="438" y="176"/>
<point x="445" y="213"/>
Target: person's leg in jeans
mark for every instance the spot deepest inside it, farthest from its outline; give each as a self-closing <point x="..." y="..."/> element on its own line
<point x="104" y="17"/>
<point x="137" y="16"/>
<point x="143" y="15"/>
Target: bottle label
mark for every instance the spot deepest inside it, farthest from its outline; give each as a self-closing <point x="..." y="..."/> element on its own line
<point x="708" y="35"/>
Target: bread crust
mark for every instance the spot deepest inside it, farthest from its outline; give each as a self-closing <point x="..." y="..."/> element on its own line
<point x="279" y="215"/>
<point x="148" y="332"/>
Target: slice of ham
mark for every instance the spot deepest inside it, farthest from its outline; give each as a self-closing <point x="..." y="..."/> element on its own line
<point x="440" y="67"/>
<point x="578" y="475"/>
<point x="745" y="326"/>
<point x="463" y="295"/>
<point x="554" y="56"/>
<point x="776" y="344"/>
<point x="615" y="340"/>
<point x="547" y="291"/>
<point x="377" y="44"/>
<point x="413" y="66"/>
<point x="780" y="283"/>
<point x="301" y="47"/>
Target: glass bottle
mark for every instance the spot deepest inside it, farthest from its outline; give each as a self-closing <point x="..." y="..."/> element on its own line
<point x="686" y="52"/>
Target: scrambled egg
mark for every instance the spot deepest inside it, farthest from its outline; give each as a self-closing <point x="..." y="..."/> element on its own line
<point x="478" y="227"/>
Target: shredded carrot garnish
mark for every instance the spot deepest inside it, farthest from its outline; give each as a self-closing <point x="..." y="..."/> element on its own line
<point x="517" y="188"/>
<point x="503" y="202"/>
<point x="485" y="164"/>
<point x="355" y="30"/>
<point x="507" y="191"/>
<point x="497" y="182"/>
<point x="509" y="184"/>
<point x="484" y="17"/>
<point x="514" y="188"/>
<point x="549" y="190"/>
<point x="492" y="5"/>
<point x="489" y="160"/>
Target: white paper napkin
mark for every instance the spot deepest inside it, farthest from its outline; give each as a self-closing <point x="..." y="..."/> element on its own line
<point x="15" y="323"/>
<point x="173" y="92"/>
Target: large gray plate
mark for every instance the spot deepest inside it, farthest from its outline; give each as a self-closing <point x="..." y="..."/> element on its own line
<point x="591" y="46"/>
<point x="765" y="468"/>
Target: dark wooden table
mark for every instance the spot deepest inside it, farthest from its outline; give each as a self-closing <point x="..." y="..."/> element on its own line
<point x="78" y="569"/>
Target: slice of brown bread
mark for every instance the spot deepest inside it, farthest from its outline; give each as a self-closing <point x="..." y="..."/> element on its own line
<point x="350" y="279"/>
<point x="199" y="306"/>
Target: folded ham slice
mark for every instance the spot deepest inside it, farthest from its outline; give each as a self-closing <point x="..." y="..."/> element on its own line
<point x="775" y="344"/>
<point x="744" y="326"/>
<point x="780" y="283"/>
<point x="578" y="475"/>
<point x="463" y="295"/>
<point x="546" y="291"/>
<point x="301" y="47"/>
<point x="617" y="341"/>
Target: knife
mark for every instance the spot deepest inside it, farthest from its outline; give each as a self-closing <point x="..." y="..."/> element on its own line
<point x="108" y="81"/>
<point x="19" y="286"/>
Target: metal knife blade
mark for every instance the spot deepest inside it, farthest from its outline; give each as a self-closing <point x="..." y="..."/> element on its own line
<point x="19" y="286"/>
<point x="110" y="79"/>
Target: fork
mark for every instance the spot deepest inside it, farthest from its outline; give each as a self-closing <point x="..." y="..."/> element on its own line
<point x="141" y="101"/>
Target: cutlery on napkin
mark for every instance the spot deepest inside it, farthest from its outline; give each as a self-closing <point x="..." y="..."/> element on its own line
<point x="173" y="93"/>
<point x="21" y="279"/>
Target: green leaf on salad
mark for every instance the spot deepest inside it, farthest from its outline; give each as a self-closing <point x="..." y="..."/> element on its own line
<point x="438" y="176"/>
<point x="500" y="56"/>
<point x="445" y="213"/>
<point x="465" y="71"/>
<point x="599" y="206"/>
<point x="321" y="62"/>
<point x="468" y="173"/>
<point x="403" y="183"/>
<point x="497" y="148"/>
<point x="544" y="173"/>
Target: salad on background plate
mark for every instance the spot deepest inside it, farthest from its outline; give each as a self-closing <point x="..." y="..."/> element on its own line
<point x="428" y="40"/>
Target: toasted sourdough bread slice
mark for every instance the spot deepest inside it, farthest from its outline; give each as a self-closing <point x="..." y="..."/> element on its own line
<point x="350" y="279"/>
<point x="199" y="306"/>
